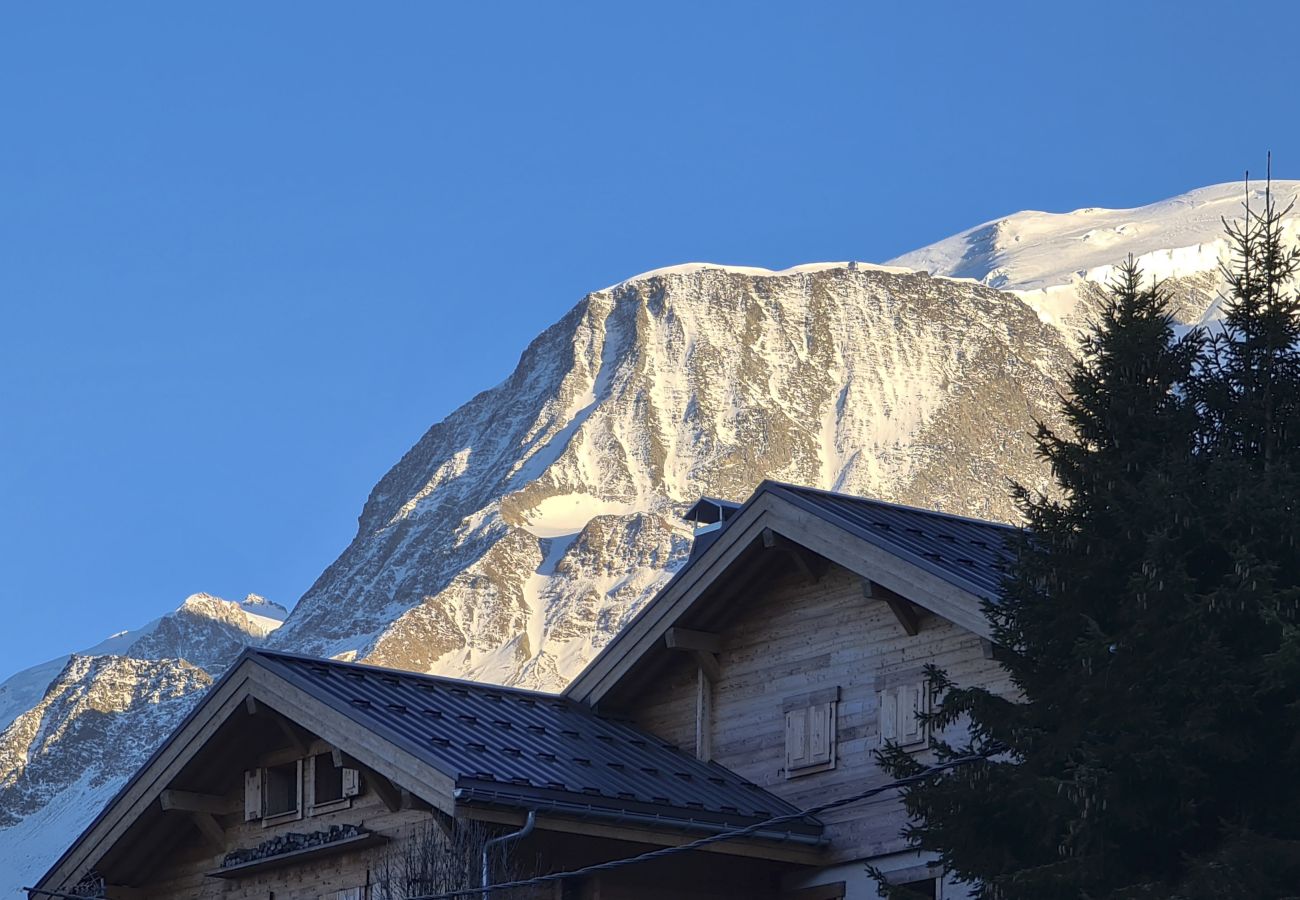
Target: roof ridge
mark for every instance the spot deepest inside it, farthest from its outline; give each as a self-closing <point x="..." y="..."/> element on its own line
<point x="407" y="673"/>
<point x="770" y="484"/>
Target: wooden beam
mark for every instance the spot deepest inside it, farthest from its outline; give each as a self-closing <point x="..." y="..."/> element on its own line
<point x="343" y="761"/>
<point x="687" y="639"/>
<point x="388" y="792"/>
<point x="810" y="564"/>
<point x="904" y="610"/>
<point x="210" y="828"/>
<point x="298" y="739"/>
<point x="709" y="667"/>
<point x="410" y="801"/>
<point x="446" y="824"/>
<point x="189" y="801"/>
<point x="704" y="713"/>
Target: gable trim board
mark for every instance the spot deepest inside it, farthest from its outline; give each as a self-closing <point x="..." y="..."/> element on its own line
<point x="281" y="683"/>
<point x="228" y="698"/>
<point x="810" y="519"/>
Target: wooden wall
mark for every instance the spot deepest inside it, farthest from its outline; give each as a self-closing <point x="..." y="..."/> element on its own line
<point x="183" y="876"/>
<point x="800" y="635"/>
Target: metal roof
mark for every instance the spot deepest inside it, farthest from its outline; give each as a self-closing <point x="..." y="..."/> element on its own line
<point x="505" y="746"/>
<point x="971" y="554"/>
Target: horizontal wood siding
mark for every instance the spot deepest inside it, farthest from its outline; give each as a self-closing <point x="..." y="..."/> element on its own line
<point x="799" y="636"/>
<point x="309" y="880"/>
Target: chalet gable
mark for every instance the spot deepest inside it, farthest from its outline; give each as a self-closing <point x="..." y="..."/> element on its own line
<point x="443" y="747"/>
<point x="912" y="559"/>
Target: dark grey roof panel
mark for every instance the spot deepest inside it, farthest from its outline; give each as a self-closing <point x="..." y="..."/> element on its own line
<point x="969" y="553"/>
<point x="535" y="748"/>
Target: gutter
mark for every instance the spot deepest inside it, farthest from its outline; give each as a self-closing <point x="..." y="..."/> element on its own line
<point x="578" y="811"/>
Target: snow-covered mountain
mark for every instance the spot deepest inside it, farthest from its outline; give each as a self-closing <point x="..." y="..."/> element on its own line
<point x="521" y="532"/>
<point x="525" y="529"/>
<point x="1055" y="262"/>
<point x="84" y="722"/>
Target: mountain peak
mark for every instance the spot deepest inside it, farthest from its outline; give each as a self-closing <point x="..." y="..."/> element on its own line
<point x="1035" y="250"/>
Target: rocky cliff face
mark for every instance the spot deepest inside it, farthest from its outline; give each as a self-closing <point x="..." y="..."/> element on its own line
<point x="95" y="716"/>
<point x="520" y="533"/>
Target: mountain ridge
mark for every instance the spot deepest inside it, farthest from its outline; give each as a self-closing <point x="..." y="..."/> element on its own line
<point x="521" y="531"/>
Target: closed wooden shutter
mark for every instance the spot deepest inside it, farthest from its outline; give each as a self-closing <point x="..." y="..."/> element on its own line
<point x="900" y="706"/>
<point x="810" y="731"/>
<point x="821" y="727"/>
<point x="889" y="715"/>
<point x="351" y="782"/>
<point x="796" y="738"/>
<point x="252" y="795"/>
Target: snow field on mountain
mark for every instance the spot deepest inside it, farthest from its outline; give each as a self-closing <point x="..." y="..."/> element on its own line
<point x="524" y="530"/>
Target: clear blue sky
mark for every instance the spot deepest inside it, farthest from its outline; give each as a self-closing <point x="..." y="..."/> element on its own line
<point x="249" y="252"/>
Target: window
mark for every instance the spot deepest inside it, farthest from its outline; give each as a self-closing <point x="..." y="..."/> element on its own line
<point x="276" y="793"/>
<point x="903" y="698"/>
<point x="273" y="793"/>
<point x="810" y="732"/>
<point x="332" y="787"/>
<point x="327" y="778"/>
<point x="282" y="790"/>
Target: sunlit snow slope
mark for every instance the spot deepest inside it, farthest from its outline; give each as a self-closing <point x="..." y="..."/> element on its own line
<point x="521" y="532"/>
<point x="1053" y="260"/>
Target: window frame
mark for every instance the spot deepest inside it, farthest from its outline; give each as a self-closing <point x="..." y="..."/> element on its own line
<point x="890" y="690"/>
<point x="805" y="712"/>
<point x="344" y="801"/>
<point x="292" y="815"/>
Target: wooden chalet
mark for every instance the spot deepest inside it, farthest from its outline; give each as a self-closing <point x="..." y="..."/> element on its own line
<point x="755" y="685"/>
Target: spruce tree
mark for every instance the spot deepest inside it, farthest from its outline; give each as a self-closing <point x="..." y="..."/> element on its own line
<point x="1087" y="796"/>
<point x="1147" y="622"/>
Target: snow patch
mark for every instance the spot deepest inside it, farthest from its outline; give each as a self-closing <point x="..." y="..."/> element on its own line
<point x="567" y="514"/>
<point x="691" y="268"/>
<point x="29" y="848"/>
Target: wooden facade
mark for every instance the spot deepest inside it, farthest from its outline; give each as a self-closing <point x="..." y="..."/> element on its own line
<point x="786" y="653"/>
<point x="794" y="637"/>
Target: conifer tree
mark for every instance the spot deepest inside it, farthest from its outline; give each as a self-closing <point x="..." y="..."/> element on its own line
<point x="1068" y="810"/>
<point x="1148" y="623"/>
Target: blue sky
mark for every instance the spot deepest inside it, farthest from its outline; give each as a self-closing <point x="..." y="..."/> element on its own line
<point x="249" y="252"/>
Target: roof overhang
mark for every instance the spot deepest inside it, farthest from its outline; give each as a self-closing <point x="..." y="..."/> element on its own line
<point x="775" y="509"/>
<point x="247" y="678"/>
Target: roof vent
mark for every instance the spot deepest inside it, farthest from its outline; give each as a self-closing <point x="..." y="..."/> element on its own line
<point x="709" y="515"/>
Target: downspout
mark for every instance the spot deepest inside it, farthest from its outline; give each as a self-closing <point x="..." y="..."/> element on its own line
<point x="504" y="839"/>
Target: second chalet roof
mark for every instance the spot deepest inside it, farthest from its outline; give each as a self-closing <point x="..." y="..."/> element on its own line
<point x="530" y="749"/>
<point x="972" y="554"/>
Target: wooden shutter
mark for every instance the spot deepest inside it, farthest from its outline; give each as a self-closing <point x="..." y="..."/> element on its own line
<point x="909" y="705"/>
<point x="810" y="731"/>
<point x="889" y="715"/>
<point x="821" y="728"/>
<point x="252" y="795"/>
<point x="351" y="782"/>
<point x="796" y="738"/>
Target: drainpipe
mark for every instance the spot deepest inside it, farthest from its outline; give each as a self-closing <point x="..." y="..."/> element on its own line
<point x="505" y="839"/>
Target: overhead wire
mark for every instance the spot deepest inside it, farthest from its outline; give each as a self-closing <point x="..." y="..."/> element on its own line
<point x="700" y="843"/>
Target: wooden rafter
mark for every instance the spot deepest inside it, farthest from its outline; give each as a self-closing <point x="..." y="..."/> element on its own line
<point x="905" y="611"/>
<point x="189" y="801"/>
<point x="811" y="565"/>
